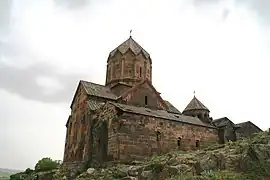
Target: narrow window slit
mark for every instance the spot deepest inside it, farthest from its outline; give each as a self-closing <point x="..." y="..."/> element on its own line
<point x="158" y="136"/>
<point x="197" y="143"/>
<point x="179" y="141"/>
<point x="145" y="100"/>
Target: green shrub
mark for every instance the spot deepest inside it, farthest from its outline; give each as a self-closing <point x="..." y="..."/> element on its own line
<point x="28" y="171"/>
<point x="16" y="176"/>
<point x="259" y="170"/>
<point x="46" y="164"/>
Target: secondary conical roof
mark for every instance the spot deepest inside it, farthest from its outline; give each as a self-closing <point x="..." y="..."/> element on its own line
<point x="195" y="104"/>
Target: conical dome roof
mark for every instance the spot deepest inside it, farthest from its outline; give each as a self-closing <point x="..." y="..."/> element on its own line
<point x="195" y="104"/>
<point x="131" y="44"/>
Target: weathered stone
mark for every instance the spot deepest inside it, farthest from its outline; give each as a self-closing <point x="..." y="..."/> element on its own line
<point x="121" y="172"/>
<point x="90" y="170"/>
<point x="171" y="170"/>
<point x="129" y="178"/>
<point x="135" y="170"/>
<point x="146" y="175"/>
<point x="208" y="162"/>
<point x="198" y="168"/>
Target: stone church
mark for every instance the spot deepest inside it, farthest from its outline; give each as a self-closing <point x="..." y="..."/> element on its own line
<point x="127" y="119"/>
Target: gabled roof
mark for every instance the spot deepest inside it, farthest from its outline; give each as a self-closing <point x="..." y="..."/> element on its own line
<point x="98" y="90"/>
<point x="222" y="122"/>
<point x="160" y="114"/>
<point x="240" y="125"/>
<point x="134" y="88"/>
<point x="94" y="89"/>
<point x="195" y="104"/>
<point x="131" y="44"/>
<point x="171" y="108"/>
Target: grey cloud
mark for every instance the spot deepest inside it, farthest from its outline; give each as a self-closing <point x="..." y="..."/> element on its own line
<point x="204" y="2"/>
<point x="8" y="49"/>
<point x="261" y="7"/>
<point x="23" y="82"/>
<point x="5" y="15"/>
<point x="72" y="4"/>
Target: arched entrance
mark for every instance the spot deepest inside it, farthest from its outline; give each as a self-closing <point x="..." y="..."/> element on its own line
<point x="103" y="142"/>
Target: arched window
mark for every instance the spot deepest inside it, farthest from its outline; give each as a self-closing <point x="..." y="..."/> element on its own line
<point x="197" y="143"/>
<point x="179" y="141"/>
<point x="158" y="134"/>
<point x="140" y="71"/>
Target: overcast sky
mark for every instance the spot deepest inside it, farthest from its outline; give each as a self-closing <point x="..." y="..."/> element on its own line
<point x="220" y="49"/>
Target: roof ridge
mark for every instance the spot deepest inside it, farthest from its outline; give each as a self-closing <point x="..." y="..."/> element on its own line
<point x="138" y="45"/>
<point x="93" y="83"/>
<point x="219" y="119"/>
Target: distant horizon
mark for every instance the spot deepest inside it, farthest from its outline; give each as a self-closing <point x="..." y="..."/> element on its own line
<point x="12" y="170"/>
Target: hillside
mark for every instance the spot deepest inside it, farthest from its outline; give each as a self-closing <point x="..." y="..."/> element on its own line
<point x="247" y="159"/>
<point x="5" y="173"/>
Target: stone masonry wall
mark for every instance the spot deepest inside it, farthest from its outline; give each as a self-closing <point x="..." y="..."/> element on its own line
<point x="142" y="136"/>
<point x="128" y="67"/>
<point x="120" y="89"/>
<point x="73" y="168"/>
<point x="229" y="133"/>
<point x="76" y="127"/>
<point x="104" y="143"/>
<point x="144" y="96"/>
<point x="246" y="130"/>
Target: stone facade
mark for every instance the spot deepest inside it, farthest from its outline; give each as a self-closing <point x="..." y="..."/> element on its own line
<point x="156" y="136"/>
<point x="145" y="95"/>
<point x="228" y="131"/>
<point x="125" y="136"/>
<point x="127" y="119"/>
<point x="246" y="129"/>
<point x="76" y="130"/>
